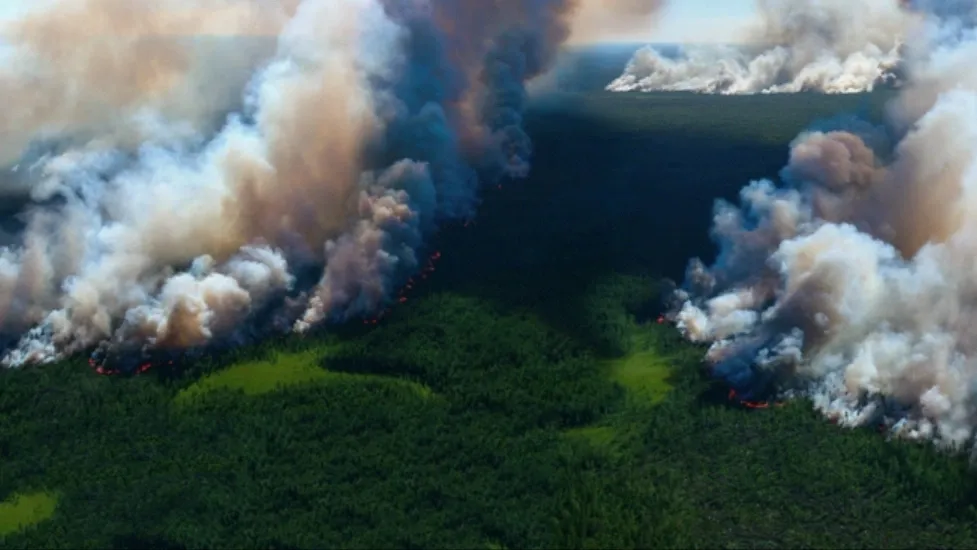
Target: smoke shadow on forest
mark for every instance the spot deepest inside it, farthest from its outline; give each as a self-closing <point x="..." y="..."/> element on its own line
<point x="600" y="200"/>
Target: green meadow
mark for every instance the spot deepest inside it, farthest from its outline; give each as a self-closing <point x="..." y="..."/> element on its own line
<point x="22" y="511"/>
<point x="281" y="371"/>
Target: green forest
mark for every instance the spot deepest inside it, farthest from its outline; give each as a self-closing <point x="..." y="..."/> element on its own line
<point x="523" y="396"/>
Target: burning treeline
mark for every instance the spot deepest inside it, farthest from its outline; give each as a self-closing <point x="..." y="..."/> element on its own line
<point x="852" y="283"/>
<point x="201" y="171"/>
<point x="829" y="46"/>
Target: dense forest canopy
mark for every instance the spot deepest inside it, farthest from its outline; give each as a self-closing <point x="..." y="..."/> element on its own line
<point x="523" y="396"/>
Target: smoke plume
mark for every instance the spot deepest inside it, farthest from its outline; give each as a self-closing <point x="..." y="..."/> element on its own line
<point x="597" y="20"/>
<point x="852" y="283"/>
<point x="829" y="46"/>
<point x="201" y="171"/>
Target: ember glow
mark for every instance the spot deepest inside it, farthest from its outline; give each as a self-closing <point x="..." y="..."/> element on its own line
<point x="732" y="396"/>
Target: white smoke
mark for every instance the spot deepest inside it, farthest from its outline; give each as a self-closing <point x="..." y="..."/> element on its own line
<point x="829" y="46"/>
<point x="854" y="283"/>
<point x="101" y="265"/>
<point x="127" y="71"/>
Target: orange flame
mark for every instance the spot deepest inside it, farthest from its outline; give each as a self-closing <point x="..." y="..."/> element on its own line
<point x="752" y="404"/>
<point x="408" y="286"/>
<point x="104" y="371"/>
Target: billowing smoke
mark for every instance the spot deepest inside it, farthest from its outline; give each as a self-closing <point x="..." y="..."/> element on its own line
<point x="113" y="69"/>
<point x="830" y="46"/>
<point x="202" y="171"/>
<point x="853" y="283"/>
<point x="597" y="20"/>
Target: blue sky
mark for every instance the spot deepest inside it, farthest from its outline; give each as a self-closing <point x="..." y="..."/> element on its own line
<point x="12" y="8"/>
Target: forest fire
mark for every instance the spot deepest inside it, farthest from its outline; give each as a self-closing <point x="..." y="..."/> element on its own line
<point x="99" y="367"/>
<point x="732" y="396"/>
<point x="428" y="268"/>
<point x="100" y="361"/>
<point x="132" y="359"/>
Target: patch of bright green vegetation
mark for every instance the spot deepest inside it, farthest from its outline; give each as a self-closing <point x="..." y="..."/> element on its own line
<point x="640" y="367"/>
<point x="643" y="372"/>
<point x="280" y="371"/>
<point x="21" y="511"/>
<point x="642" y="354"/>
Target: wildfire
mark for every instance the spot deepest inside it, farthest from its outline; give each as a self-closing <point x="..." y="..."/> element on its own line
<point x="752" y="404"/>
<point x="428" y="268"/>
<point x="101" y="369"/>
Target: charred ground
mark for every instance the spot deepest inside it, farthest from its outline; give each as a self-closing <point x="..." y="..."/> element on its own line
<point x="512" y="427"/>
